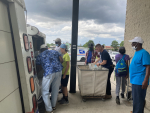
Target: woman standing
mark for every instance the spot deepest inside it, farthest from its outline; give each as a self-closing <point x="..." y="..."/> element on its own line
<point x="121" y="77"/>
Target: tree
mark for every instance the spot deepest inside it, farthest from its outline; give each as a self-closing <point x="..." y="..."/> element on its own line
<point x="122" y="44"/>
<point x="89" y="42"/>
<point x="48" y="45"/>
<point x="115" y="45"/>
<point x="52" y="44"/>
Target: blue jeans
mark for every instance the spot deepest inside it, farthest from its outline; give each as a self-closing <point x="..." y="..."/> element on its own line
<point x="138" y="95"/>
<point x="53" y="81"/>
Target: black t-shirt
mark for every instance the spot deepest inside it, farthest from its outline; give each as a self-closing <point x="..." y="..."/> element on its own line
<point x="105" y="56"/>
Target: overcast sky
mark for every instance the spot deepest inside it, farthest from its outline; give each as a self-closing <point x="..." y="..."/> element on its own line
<point x="99" y="20"/>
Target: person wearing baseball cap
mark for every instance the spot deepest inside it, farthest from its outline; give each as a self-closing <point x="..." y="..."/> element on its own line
<point x="139" y="74"/>
<point x="65" y="74"/>
<point x="58" y="43"/>
<point x="50" y="61"/>
<point x="57" y="48"/>
<point x="43" y="47"/>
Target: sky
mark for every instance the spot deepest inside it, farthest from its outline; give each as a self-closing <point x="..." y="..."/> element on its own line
<point x="99" y="20"/>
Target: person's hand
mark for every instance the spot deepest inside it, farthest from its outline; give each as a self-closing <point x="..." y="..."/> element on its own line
<point x="127" y="76"/>
<point x="145" y="84"/>
<point x="64" y="76"/>
<point x="97" y="64"/>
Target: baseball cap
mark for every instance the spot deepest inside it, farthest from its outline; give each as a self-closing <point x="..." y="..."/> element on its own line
<point x="43" y="46"/>
<point x="63" y="46"/>
<point x="137" y="39"/>
<point x="58" y="40"/>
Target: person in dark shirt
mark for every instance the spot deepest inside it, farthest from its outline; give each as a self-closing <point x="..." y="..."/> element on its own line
<point x="107" y="63"/>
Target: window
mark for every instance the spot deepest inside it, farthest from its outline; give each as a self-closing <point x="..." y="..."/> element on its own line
<point x="29" y="64"/>
<point x="26" y="43"/>
<point x="32" y="87"/>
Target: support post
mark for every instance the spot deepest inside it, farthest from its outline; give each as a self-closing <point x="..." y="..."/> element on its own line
<point x="75" y="14"/>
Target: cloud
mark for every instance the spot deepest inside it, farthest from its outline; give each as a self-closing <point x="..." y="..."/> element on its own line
<point x="98" y="19"/>
<point x="91" y="30"/>
<point x="66" y="28"/>
<point x="103" y="11"/>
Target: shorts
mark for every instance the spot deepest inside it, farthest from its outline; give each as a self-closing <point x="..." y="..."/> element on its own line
<point x="64" y="82"/>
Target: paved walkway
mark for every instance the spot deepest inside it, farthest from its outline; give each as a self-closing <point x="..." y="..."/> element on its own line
<point x="94" y="105"/>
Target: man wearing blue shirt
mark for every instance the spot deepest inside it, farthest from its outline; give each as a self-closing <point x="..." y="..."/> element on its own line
<point x="139" y="74"/>
<point x="50" y="61"/>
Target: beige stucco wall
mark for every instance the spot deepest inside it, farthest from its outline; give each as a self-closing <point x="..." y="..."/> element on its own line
<point x="138" y="24"/>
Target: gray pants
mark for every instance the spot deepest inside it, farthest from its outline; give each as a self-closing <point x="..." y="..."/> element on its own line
<point x="53" y="81"/>
<point x="120" y="80"/>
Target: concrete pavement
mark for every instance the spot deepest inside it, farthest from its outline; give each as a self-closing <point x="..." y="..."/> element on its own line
<point x="76" y="104"/>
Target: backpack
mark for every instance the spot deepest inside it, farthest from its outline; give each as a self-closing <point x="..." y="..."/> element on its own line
<point x="121" y="67"/>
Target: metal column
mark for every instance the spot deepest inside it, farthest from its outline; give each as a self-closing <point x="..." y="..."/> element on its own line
<point x="75" y="14"/>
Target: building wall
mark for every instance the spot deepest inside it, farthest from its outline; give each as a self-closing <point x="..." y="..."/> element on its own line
<point x="138" y="24"/>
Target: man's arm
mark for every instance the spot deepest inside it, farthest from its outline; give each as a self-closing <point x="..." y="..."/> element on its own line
<point x="60" y="59"/>
<point x="97" y="60"/>
<point x="104" y="62"/>
<point x="105" y="58"/>
<point x="145" y="82"/>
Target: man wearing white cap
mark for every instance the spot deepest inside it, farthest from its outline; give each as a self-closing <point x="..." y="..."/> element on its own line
<point x="50" y="61"/>
<point x="57" y="48"/>
<point x="139" y="74"/>
<point x="58" y="43"/>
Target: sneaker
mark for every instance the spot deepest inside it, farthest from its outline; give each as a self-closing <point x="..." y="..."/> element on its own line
<point x="122" y="95"/>
<point x="107" y="97"/>
<point x="60" y="91"/>
<point x="60" y="99"/>
<point x="54" y="108"/>
<point x="117" y="100"/>
<point x="64" y="102"/>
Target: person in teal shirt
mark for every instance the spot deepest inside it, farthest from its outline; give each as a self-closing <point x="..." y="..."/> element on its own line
<point x="139" y="74"/>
